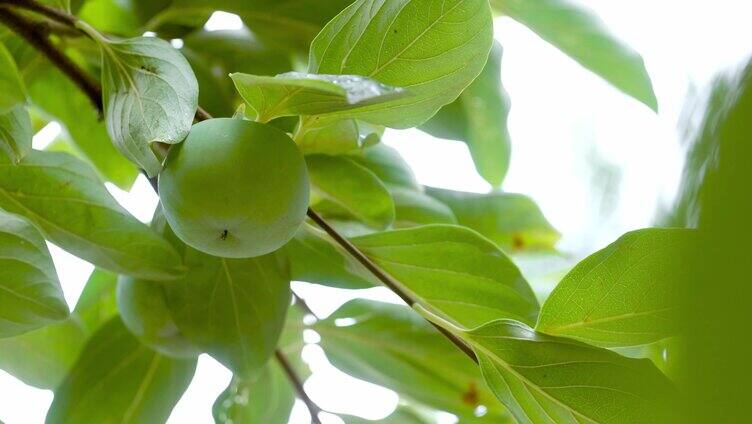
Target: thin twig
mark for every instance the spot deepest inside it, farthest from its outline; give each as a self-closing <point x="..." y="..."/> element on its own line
<point x="50" y="12"/>
<point x="75" y="73"/>
<point x="298" y="385"/>
<point x="384" y="278"/>
<point x="37" y="37"/>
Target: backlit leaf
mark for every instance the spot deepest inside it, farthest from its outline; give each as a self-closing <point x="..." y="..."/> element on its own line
<point x="394" y="347"/>
<point x="15" y="133"/>
<point x="64" y="198"/>
<point x="479" y="118"/>
<point x="545" y="379"/>
<point x="118" y="379"/>
<point x="513" y="221"/>
<point x="455" y="271"/>
<point x="11" y="86"/>
<point x="31" y="294"/>
<point x="42" y="358"/>
<point x="581" y="35"/>
<point x="623" y="295"/>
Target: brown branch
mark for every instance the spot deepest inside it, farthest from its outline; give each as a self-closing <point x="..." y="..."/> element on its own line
<point x="20" y="25"/>
<point x="42" y="9"/>
<point x="298" y="385"/>
<point x="36" y="35"/>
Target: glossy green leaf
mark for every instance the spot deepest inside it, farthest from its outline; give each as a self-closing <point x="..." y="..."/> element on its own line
<point x="479" y="118"/>
<point x="581" y="35"/>
<point x="15" y="133"/>
<point x="31" y="294"/>
<point x="10" y="82"/>
<point x="66" y="200"/>
<point x="453" y="271"/>
<point x="315" y="258"/>
<point x="432" y="49"/>
<point x="342" y="187"/>
<point x="81" y="121"/>
<point x="512" y="221"/>
<point x="150" y="95"/>
<point x="118" y="379"/>
<point x="296" y="93"/>
<point x="42" y="358"/>
<point x="394" y="347"/>
<point x="414" y="207"/>
<point x="624" y="294"/>
<point x="234" y="309"/>
<point x="545" y="379"/>
<point x="388" y="165"/>
<point x="269" y="397"/>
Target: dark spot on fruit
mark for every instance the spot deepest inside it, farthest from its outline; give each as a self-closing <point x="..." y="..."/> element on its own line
<point x="470" y="396"/>
<point x="223" y="236"/>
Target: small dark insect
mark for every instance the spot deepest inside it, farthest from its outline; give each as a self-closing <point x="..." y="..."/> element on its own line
<point x="223" y="236"/>
<point x="149" y="68"/>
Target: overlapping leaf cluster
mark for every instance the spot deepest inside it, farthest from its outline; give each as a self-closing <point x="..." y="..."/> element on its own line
<point x="371" y="64"/>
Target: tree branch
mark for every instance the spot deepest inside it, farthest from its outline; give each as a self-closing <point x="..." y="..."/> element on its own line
<point x="298" y="385"/>
<point x="73" y="71"/>
<point x="50" y="12"/>
<point x="37" y="36"/>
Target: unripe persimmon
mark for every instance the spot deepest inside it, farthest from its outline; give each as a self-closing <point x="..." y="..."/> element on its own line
<point x="234" y="188"/>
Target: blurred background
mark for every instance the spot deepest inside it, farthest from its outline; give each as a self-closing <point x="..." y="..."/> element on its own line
<point x="596" y="161"/>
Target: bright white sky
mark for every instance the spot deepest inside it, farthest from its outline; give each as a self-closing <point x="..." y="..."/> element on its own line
<point x="564" y="120"/>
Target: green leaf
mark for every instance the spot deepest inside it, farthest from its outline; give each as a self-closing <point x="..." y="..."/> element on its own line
<point x="389" y="166"/>
<point x="391" y="346"/>
<point x="454" y="271"/>
<point x="296" y="93"/>
<point x="42" y="358"/>
<point x="512" y="221"/>
<point x="10" y="82"/>
<point x="234" y="309"/>
<point x="150" y="95"/>
<point x="404" y="414"/>
<point x="15" y="133"/>
<point x="315" y="258"/>
<point x="581" y="35"/>
<point x="285" y="24"/>
<point x="432" y="49"/>
<point x="118" y="379"/>
<point x="64" y="198"/>
<point x="215" y="54"/>
<point x="417" y="208"/>
<point x="332" y="138"/>
<point x="479" y="118"/>
<point x="342" y="187"/>
<point x="624" y="294"/>
<point x="269" y="398"/>
<point x="545" y="379"/>
<point x="32" y="297"/>
<point x="81" y="121"/>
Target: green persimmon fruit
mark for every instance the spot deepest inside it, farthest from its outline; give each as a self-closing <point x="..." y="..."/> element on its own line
<point x="143" y="308"/>
<point x="234" y="188"/>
